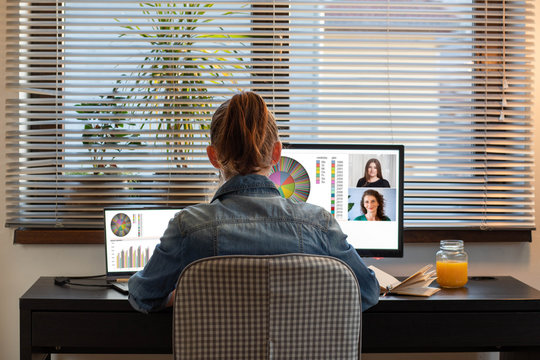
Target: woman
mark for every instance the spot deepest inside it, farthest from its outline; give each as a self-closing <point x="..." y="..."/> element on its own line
<point x="247" y="214"/>
<point x="373" y="175"/>
<point x="372" y="205"/>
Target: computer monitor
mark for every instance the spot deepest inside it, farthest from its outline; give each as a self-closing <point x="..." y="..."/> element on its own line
<point x="331" y="176"/>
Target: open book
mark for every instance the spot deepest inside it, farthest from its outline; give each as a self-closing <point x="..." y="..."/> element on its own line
<point x="417" y="284"/>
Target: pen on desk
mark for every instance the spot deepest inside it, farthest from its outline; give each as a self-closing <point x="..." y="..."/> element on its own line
<point x="122" y="280"/>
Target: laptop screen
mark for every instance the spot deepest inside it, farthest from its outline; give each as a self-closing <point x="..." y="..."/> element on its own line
<point x="131" y="235"/>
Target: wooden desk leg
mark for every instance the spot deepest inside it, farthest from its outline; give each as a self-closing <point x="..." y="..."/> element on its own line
<point x="25" y="340"/>
<point x="520" y="355"/>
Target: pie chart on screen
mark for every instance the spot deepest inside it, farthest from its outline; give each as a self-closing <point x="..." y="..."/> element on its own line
<point x="120" y="224"/>
<point x="291" y="179"/>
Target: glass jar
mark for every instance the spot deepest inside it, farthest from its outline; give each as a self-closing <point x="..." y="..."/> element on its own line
<point x="452" y="261"/>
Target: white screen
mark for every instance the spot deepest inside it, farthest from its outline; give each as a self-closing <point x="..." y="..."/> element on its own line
<point x="131" y="236"/>
<point x="332" y="176"/>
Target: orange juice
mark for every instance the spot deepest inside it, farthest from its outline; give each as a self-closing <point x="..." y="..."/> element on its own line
<point x="452" y="274"/>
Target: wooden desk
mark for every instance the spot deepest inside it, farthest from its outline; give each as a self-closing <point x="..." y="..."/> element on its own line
<point x="498" y="314"/>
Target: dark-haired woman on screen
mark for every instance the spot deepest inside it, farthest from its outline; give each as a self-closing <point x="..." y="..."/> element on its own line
<point x="373" y="175"/>
<point x="372" y="205"/>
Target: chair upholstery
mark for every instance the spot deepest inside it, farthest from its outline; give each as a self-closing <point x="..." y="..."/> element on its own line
<point x="292" y="306"/>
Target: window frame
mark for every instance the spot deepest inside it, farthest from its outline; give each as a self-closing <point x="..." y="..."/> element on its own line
<point x="88" y="236"/>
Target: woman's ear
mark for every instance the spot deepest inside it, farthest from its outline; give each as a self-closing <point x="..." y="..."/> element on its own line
<point x="276" y="152"/>
<point x="212" y="156"/>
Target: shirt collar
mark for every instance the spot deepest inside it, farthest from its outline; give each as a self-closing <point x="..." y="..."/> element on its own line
<point x="247" y="184"/>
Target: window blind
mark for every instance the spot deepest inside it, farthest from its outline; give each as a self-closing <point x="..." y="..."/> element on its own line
<point x="116" y="97"/>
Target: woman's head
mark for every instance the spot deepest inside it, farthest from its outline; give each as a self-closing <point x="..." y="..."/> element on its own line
<point x="372" y="201"/>
<point x="243" y="136"/>
<point x="373" y="169"/>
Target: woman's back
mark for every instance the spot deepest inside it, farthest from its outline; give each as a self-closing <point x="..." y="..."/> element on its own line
<point x="247" y="215"/>
<point x="252" y="218"/>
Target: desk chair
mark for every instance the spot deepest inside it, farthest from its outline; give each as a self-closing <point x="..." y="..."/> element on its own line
<point x="292" y="306"/>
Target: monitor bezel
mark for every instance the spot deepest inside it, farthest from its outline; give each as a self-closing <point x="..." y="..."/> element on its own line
<point x="370" y="253"/>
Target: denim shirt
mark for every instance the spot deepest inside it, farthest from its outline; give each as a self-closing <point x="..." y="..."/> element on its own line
<point x="247" y="216"/>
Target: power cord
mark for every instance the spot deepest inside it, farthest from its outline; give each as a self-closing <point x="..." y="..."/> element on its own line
<point x="67" y="280"/>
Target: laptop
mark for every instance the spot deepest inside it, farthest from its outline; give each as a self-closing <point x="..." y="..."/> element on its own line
<point x="131" y="235"/>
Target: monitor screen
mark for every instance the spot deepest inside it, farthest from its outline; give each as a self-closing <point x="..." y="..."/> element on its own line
<point x="131" y="235"/>
<point x="334" y="177"/>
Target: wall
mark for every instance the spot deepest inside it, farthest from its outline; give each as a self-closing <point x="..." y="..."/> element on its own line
<point x="20" y="265"/>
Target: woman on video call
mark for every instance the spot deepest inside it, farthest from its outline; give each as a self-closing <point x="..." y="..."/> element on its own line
<point x="247" y="215"/>
<point x="373" y="175"/>
<point x="372" y="205"/>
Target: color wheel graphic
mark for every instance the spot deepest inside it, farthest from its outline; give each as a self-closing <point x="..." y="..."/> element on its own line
<point x="291" y="179"/>
<point x="120" y="224"/>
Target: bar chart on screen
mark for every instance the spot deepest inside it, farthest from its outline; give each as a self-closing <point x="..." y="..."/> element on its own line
<point x="133" y="257"/>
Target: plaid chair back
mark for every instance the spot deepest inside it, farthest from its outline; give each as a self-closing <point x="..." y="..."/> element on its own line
<point x="292" y="306"/>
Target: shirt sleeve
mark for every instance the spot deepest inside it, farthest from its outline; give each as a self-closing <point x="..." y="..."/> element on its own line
<point x="339" y="247"/>
<point x="150" y="288"/>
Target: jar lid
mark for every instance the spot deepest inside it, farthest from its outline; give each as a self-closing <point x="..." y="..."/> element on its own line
<point x="452" y="244"/>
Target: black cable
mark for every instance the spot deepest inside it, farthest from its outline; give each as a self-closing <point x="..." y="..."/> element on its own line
<point x="106" y="285"/>
<point x="86" y="276"/>
<point x="66" y="280"/>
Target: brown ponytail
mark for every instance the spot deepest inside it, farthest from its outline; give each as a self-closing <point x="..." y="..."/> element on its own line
<point x="243" y="133"/>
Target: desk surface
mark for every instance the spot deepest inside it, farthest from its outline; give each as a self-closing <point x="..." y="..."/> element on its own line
<point x="489" y="314"/>
<point x="480" y="294"/>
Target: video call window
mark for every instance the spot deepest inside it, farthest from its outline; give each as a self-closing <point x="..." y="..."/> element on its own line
<point x="372" y="187"/>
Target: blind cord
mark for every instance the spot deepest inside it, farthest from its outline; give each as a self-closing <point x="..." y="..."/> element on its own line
<point x="484" y="224"/>
<point x="388" y="86"/>
<point x="58" y="223"/>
